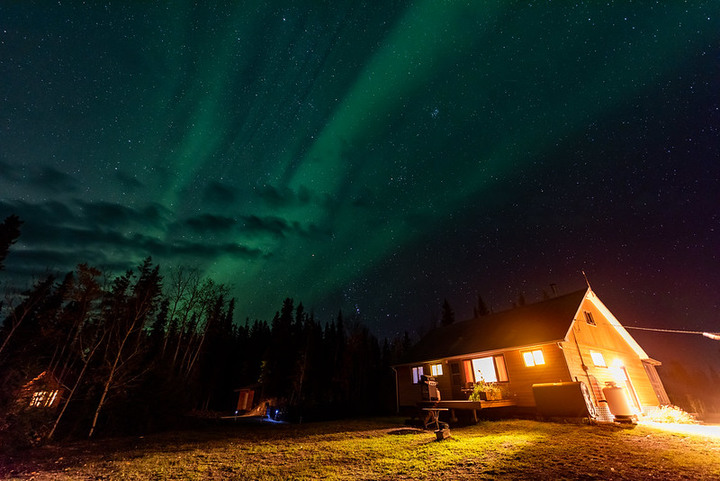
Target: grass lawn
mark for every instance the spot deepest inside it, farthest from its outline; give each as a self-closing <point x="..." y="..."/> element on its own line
<point x="380" y="449"/>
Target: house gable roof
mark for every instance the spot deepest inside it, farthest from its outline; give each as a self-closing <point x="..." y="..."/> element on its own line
<point x="539" y="323"/>
<point x="612" y="320"/>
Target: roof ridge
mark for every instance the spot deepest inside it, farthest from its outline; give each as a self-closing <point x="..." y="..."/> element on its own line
<point x="524" y="306"/>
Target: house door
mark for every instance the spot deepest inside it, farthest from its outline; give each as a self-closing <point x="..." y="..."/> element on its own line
<point x="456" y="380"/>
<point x="630" y="388"/>
<point x="656" y="383"/>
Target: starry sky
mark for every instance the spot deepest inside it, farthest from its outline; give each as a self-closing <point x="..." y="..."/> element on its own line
<point x="375" y="157"/>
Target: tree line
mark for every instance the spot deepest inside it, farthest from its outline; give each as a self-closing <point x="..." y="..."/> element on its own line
<point x="138" y="351"/>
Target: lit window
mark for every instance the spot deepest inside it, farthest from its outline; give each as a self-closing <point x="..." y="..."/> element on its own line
<point x="488" y="369"/>
<point x="598" y="359"/>
<point x="589" y="318"/>
<point x="484" y="369"/>
<point x="500" y="368"/>
<point x="417" y="373"/>
<point x="436" y="369"/>
<point x="43" y="398"/>
<point x="533" y="358"/>
<point x="38" y="398"/>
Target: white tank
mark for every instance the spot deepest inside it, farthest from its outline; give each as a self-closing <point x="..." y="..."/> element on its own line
<point x="617" y="400"/>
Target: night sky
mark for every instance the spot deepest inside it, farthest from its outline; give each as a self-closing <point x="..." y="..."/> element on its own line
<point x="373" y="157"/>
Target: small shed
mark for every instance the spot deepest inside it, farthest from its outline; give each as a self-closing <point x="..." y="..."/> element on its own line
<point x="246" y="398"/>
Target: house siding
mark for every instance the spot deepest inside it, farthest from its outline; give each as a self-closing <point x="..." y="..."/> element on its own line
<point x="523" y="377"/>
<point x="408" y="393"/>
<point x="566" y="359"/>
<point x="604" y="339"/>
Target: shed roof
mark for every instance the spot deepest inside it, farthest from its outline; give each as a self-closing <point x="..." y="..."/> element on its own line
<point x="538" y="323"/>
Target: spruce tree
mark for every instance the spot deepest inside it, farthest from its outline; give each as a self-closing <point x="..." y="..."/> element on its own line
<point x="448" y="315"/>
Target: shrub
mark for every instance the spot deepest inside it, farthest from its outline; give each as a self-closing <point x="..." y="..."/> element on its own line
<point x="670" y="414"/>
<point x="487" y="391"/>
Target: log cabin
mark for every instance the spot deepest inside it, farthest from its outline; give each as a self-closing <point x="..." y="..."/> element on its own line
<point x="569" y="340"/>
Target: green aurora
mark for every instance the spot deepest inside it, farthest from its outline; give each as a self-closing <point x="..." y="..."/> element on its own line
<point x="374" y="157"/>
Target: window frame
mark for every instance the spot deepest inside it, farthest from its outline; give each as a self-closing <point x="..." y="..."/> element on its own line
<point x="533" y="357"/>
<point x="498" y="365"/>
<point x="436" y="369"/>
<point x="417" y="373"/>
<point x="598" y="356"/>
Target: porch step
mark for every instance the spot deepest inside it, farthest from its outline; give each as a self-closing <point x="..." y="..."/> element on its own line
<point x="603" y="413"/>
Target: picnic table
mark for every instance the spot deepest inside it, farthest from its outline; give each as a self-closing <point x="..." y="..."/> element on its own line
<point x="432" y="416"/>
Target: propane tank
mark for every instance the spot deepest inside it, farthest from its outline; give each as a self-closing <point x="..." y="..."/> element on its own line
<point x="617" y="401"/>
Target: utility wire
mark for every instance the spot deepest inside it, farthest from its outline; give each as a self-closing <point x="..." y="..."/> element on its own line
<point x="711" y="335"/>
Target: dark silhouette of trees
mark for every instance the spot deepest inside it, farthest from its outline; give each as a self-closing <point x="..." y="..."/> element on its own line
<point x="9" y="233"/>
<point x="24" y="319"/>
<point x="135" y="353"/>
<point x="447" y="316"/>
<point x="521" y="299"/>
<point x="480" y="308"/>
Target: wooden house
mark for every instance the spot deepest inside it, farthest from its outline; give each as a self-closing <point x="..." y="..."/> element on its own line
<point x="571" y="338"/>
<point x="43" y="392"/>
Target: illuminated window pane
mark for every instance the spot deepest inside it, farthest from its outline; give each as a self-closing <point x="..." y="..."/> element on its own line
<point x="436" y="369"/>
<point x="538" y="357"/>
<point x="417" y="373"/>
<point x="484" y="369"/>
<point x="598" y="359"/>
<point x="51" y="398"/>
<point x="533" y="358"/>
<point x="38" y="398"/>
<point x="528" y="357"/>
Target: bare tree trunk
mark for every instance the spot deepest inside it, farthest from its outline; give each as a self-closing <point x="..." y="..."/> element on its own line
<point x="110" y="378"/>
<point x="185" y="286"/>
<point x="298" y="384"/>
<point x="197" y="350"/>
<point x="75" y="386"/>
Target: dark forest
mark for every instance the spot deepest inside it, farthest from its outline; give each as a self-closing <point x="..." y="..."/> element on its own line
<point x="140" y="352"/>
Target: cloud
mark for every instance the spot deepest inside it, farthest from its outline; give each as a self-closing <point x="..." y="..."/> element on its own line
<point x="269" y="224"/>
<point x="46" y="247"/>
<point x="210" y="223"/>
<point x="129" y="182"/>
<point x="58" y="236"/>
<point x="9" y="170"/>
<point x="52" y="180"/>
<point x="45" y="213"/>
<point x="107" y="214"/>
<point x="219" y="194"/>
<point x="190" y="250"/>
<point x="285" y="197"/>
<point x="104" y="215"/>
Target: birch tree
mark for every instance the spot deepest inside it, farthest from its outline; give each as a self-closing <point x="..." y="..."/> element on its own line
<point x="127" y="311"/>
